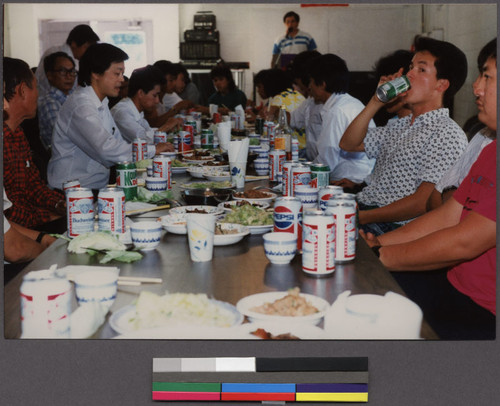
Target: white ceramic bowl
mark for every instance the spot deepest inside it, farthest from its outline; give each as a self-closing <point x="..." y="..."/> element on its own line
<point x="261" y="166"/>
<point x="156" y="184"/>
<point x="308" y="196"/>
<point x="146" y="235"/>
<point x="280" y="248"/>
<point x="228" y="239"/>
<point x="96" y="286"/>
<point x="175" y="223"/>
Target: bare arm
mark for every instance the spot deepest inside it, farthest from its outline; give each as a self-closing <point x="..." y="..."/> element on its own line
<point x="446" y="247"/>
<point x="402" y="209"/>
<point x="274" y="60"/>
<point x="19" y="247"/>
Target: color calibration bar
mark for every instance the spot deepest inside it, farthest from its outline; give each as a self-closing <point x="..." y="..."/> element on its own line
<point x="261" y="379"/>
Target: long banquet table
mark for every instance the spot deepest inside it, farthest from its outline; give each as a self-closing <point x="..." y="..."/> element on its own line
<point x="236" y="271"/>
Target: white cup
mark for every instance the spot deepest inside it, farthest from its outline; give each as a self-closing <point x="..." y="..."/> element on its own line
<point x="146" y="235"/>
<point x="200" y="233"/>
<point x="308" y="196"/>
<point x="238" y="170"/>
<point x="96" y="286"/>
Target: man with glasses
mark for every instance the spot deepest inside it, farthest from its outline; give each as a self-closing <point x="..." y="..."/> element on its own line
<point x="60" y="70"/>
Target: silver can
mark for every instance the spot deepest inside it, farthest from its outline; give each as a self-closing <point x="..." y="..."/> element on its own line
<point x="287" y="216"/>
<point x="389" y="90"/>
<point x="160" y="136"/>
<point x="287" y="177"/>
<point x="111" y="210"/>
<point x="80" y="211"/>
<point x="139" y="150"/>
<point x="318" y="243"/>
<point x="70" y="184"/>
<point x="276" y="160"/>
<point x="301" y="176"/>
<point x="162" y="168"/>
<point x="326" y="193"/>
<point x="343" y="213"/>
<point x="45" y="307"/>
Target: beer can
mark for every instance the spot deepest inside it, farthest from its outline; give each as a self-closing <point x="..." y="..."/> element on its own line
<point x="344" y="215"/>
<point x="111" y="210"/>
<point x="216" y="118"/>
<point x="70" y="184"/>
<point x="351" y="198"/>
<point x="301" y="176"/>
<point x="287" y="217"/>
<point x="287" y="177"/>
<point x="45" y="306"/>
<point x="139" y="150"/>
<point x="320" y="175"/>
<point x="269" y="132"/>
<point x="259" y="125"/>
<point x="80" y="211"/>
<point x="126" y="179"/>
<point x="326" y="193"/>
<point x="162" y="168"/>
<point x="318" y="243"/>
<point x="276" y="160"/>
<point x="185" y="141"/>
<point x="207" y="139"/>
<point x="160" y="136"/>
<point x="175" y="142"/>
<point x="236" y="121"/>
<point x="389" y="90"/>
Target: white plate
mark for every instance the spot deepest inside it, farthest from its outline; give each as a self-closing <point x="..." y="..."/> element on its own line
<point x="234" y="203"/>
<point x="218" y="176"/>
<point x="198" y="161"/>
<point x="228" y="239"/>
<point x="196" y="172"/>
<point x="120" y="321"/>
<point x="262" y="200"/>
<point x="189" y="332"/>
<point x="260" y="229"/>
<point x="209" y="209"/>
<point x="217" y="167"/>
<point x="301" y="332"/>
<point x="179" y="169"/>
<point x="244" y="305"/>
<point x="174" y="223"/>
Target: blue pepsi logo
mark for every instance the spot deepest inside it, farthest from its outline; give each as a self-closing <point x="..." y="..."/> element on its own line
<point x="283" y="219"/>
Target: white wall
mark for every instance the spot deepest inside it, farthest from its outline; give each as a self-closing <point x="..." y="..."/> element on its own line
<point x="359" y="33"/>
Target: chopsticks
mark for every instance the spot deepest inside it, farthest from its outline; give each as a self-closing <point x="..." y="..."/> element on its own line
<point x="140" y="211"/>
<point x="136" y="280"/>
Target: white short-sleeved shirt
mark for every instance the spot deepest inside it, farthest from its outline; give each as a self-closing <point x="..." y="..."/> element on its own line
<point x="6" y="205"/>
<point x="131" y="123"/>
<point x="170" y="100"/>
<point x="308" y="116"/>
<point x="456" y="174"/>
<point x="408" y="155"/>
<point x="336" y="115"/>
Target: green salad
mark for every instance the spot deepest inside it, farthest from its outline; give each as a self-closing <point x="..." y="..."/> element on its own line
<point x="249" y="215"/>
<point x="212" y="185"/>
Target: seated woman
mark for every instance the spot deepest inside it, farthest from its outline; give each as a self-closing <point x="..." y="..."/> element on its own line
<point x="227" y="95"/>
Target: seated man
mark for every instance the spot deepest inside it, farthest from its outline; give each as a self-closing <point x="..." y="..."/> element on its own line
<point x="413" y="153"/>
<point x="460" y="236"/>
<point x="144" y="90"/>
<point x="190" y="91"/>
<point x="307" y="115"/>
<point x="453" y="177"/>
<point x="61" y="74"/>
<point x="328" y="86"/>
<point x="34" y="204"/>
<point x="86" y="141"/>
<point x="77" y="42"/>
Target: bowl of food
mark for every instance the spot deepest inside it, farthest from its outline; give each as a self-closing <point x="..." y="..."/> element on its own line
<point x="229" y="233"/>
<point x="259" y="196"/>
<point x="207" y="196"/>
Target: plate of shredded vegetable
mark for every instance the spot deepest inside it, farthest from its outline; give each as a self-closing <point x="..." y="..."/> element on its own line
<point x="257" y="220"/>
<point x="173" y="309"/>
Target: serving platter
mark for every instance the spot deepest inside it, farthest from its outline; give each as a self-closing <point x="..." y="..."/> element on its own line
<point x="208" y="209"/>
<point x="269" y="199"/>
<point x="234" y="203"/>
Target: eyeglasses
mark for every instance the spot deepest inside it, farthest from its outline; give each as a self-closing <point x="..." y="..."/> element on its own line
<point x="66" y="72"/>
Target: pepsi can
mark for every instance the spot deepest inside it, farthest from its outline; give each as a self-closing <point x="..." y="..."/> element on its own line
<point x="326" y="193"/>
<point x="111" y="210"/>
<point x="276" y="160"/>
<point x="287" y="216"/>
<point x="185" y="141"/>
<point x="160" y="136"/>
<point x="80" y="211"/>
<point x="318" y="243"/>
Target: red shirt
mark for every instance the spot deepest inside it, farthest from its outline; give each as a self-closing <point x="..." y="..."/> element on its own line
<point x="477" y="278"/>
<point x="32" y="200"/>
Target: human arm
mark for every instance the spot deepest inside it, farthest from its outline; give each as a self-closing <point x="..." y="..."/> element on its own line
<point x="19" y="247"/>
<point x="171" y="124"/>
<point x="44" y="239"/>
<point x="274" y="60"/>
<point x="406" y="208"/>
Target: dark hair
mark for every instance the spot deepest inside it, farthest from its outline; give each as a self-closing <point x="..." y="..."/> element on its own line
<point x="488" y="51"/>
<point x="49" y="61"/>
<point x="184" y="71"/>
<point x="274" y="81"/>
<point x="451" y="64"/>
<point x="291" y="14"/>
<point x="163" y="65"/>
<point x="97" y="59"/>
<point x="175" y="70"/>
<point x="145" y="79"/>
<point x="299" y="67"/>
<point x="15" y="72"/>
<point x="332" y="70"/>
<point x="81" y="34"/>
<point x="223" y="71"/>
<point x="391" y="63"/>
